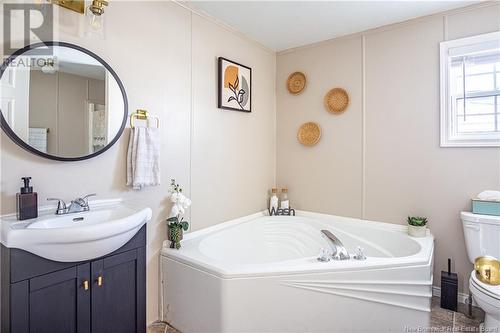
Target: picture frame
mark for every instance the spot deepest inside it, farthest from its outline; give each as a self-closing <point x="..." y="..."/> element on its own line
<point x="234" y="86"/>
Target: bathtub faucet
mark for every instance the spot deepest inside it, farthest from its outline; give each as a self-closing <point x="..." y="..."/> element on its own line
<point x="339" y="252"/>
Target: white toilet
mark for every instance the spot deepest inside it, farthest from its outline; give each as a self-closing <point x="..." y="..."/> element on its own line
<point x="482" y="237"/>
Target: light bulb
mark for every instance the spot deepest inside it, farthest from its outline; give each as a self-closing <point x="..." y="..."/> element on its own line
<point x="96" y="22"/>
<point x="48" y="67"/>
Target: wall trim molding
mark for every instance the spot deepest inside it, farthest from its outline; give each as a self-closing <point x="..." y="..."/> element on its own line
<point x="191" y="113"/>
<point x="393" y="26"/>
<point x="223" y="25"/>
<point x="363" y="127"/>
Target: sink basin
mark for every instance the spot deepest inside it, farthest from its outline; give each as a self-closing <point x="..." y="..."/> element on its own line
<point x="75" y="237"/>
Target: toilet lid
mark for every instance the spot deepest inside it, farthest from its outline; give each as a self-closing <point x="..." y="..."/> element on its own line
<point x="492" y="291"/>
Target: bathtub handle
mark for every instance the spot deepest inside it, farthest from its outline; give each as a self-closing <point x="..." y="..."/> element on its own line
<point x="360" y="254"/>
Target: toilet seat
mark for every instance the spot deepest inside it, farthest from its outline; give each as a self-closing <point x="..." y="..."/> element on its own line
<point x="488" y="298"/>
<point x="486" y="289"/>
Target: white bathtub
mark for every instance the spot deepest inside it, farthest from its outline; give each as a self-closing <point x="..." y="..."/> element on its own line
<point x="260" y="274"/>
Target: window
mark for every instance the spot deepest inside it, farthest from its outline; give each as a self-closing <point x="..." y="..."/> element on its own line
<point x="470" y="91"/>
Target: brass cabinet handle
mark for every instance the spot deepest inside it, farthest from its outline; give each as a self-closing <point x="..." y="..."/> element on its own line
<point x="100" y="280"/>
<point x="85" y="285"/>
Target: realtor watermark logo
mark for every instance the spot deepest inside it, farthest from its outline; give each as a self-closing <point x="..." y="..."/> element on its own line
<point x="25" y="24"/>
<point x="449" y="328"/>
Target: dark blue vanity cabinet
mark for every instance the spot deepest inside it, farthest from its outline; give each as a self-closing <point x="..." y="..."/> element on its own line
<point x="104" y="295"/>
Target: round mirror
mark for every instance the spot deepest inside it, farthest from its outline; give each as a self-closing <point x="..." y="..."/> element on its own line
<point x="61" y="101"/>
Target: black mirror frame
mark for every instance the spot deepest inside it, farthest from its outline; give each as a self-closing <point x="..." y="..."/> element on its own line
<point x="13" y="136"/>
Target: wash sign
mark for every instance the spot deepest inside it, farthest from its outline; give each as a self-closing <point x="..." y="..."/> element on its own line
<point x="26" y="23"/>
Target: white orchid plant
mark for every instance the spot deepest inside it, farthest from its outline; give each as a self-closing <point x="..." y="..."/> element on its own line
<point x="180" y="204"/>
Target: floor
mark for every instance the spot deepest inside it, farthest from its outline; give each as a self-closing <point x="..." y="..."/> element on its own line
<point x="441" y="320"/>
<point x="448" y="321"/>
<point x="160" y="327"/>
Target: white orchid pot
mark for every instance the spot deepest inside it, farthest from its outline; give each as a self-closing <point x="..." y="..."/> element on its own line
<point x="415" y="231"/>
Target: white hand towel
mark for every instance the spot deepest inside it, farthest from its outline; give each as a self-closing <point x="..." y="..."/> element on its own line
<point x="143" y="157"/>
<point x="489" y="195"/>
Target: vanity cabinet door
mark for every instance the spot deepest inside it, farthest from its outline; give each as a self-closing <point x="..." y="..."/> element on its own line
<point x="54" y="302"/>
<point x="118" y="293"/>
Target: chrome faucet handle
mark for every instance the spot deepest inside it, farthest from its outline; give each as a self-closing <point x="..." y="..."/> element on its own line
<point x="360" y="255"/>
<point x="324" y="255"/>
<point x="84" y="201"/>
<point x="61" y="205"/>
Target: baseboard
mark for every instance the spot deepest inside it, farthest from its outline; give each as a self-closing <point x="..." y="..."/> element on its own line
<point x="462" y="298"/>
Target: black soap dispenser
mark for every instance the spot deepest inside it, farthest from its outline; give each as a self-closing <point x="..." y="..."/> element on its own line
<point x="27" y="201"/>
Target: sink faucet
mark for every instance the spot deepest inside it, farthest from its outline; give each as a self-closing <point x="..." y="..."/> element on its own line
<point x="76" y="206"/>
<point x="339" y="252"/>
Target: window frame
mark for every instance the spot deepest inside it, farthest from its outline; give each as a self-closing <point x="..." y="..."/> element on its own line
<point x="447" y="123"/>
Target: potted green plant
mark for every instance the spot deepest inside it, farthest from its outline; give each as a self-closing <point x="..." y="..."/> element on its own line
<point x="175" y="223"/>
<point x="417" y="226"/>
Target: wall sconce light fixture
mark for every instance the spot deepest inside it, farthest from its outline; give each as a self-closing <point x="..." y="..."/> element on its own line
<point x="94" y="14"/>
<point x="97" y="7"/>
<point x="74" y="5"/>
<point x="95" y="18"/>
<point x="48" y="66"/>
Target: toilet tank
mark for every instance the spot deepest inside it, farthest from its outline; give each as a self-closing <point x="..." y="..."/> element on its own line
<point x="482" y="235"/>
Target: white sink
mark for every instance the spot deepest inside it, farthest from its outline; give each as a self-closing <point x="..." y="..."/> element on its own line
<point x="75" y="237"/>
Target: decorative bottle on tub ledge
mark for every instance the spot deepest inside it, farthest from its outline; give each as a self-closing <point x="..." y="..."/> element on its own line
<point x="284" y="204"/>
<point x="273" y="201"/>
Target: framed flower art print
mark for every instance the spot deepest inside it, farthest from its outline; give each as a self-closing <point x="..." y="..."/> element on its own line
<point x="235" y="86"/>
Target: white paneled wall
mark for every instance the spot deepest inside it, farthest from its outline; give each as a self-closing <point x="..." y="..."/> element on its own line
<point x="381" y="159"/>
<point x="166" y="57"/>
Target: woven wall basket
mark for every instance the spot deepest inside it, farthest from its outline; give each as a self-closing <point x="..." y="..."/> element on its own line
<point x="296" y="83"/>
<point x="336" y="100"/>
<point x="309" y="134"/>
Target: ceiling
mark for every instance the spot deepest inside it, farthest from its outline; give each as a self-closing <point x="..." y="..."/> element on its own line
<point x="280" y="25"/>
<point x="72" y="61"/>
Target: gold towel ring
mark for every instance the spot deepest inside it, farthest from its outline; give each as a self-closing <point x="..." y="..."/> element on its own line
<point x="143" y="115"/>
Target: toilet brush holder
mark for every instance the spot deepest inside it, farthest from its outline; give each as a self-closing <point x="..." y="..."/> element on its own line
<point x="449" y="289"/>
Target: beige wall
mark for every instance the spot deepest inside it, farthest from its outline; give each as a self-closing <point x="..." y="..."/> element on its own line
<point x="44" y="99"/>
<point x="383" y="161"/>
<point x="72" y="116"/>
<point x="233" y="153"/>
<point x="327" y="177"/>
<point x="167" y="61"/>
<point x="58" y="102"/>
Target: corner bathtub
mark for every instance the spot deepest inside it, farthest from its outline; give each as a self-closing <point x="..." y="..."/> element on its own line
<point x="260" y="274"/>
